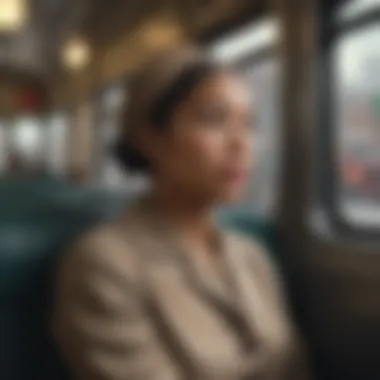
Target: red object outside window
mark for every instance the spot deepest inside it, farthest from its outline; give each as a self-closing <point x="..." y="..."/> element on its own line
<point x="28" y="101"/>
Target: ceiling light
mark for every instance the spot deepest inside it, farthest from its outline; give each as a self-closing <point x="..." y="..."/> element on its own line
<point x="76" y="54"/>
<point x="13" y="15"/>
<point x="160" y="34"/>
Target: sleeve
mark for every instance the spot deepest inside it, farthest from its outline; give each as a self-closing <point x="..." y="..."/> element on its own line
<point x="297" y="359"/>
<point x="98" y="322"/>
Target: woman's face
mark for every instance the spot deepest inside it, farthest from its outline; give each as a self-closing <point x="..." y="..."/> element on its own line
<point x="206" y="151"/>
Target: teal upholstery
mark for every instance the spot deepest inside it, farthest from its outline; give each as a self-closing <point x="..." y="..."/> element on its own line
<point x="38" y="219"/>
<point x="260" y="228"/>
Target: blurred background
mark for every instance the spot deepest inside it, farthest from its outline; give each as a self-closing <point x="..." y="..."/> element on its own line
<point x="65" y="64"/>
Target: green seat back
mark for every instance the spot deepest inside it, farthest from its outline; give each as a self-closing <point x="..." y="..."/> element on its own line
<point x="259" y="228"/>
<point x="38" y="219"/>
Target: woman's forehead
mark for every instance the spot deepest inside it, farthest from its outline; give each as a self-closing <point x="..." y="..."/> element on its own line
<point x="226" y="86"/>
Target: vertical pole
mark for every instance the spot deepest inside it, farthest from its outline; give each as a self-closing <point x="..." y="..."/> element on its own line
<point x="298" y="115"/>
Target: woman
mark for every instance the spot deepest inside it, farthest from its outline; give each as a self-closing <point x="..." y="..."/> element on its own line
<point x="162" y="293"/>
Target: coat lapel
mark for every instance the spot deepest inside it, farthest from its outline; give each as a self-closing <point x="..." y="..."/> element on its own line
<point x="264" y="318"/>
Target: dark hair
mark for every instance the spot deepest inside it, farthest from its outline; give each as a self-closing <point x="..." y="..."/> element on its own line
<point x="160" y="112"/>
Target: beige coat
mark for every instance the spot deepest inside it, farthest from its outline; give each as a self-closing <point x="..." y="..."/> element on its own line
<point x="133" y="304"/>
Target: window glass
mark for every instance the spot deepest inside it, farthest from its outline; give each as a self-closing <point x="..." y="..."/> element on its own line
<point x="357" y="96"/>
<point x="261" y="195"/>
<point x="263" y="78"/>
<point x="57" y="136"/>
<point x="247" y="41"/>
<point x="27" y="138"/>
<point x="111" y="174"/>
<point x="354" y="8"/>
<point x="112" y="102"/>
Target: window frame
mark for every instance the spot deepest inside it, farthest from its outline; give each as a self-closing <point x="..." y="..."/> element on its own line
<point x="328" y="178"/>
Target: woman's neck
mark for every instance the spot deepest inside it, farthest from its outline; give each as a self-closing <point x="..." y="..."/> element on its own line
<point x="193" y="218"/>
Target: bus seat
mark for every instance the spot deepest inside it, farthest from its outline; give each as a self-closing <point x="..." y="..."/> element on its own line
<point x="38" y="219"/>
<point x="257" y="227"/>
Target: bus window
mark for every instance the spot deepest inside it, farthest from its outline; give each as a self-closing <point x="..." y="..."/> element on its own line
<point x="356" y="62"/>
<point x="355" y="8"/>
<point x="247" y="41"/>
<point x="27" y="140"/>
<point x="112" y="175"/>
<point x="111" y="103"/>
<point x="57" y="136"/>
<point x="261" y="193"/>
<point x="251" y="49"/>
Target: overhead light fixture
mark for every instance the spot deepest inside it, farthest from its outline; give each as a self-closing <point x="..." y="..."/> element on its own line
<point x="13" y="14"/>
<point x="76" y="54"/>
